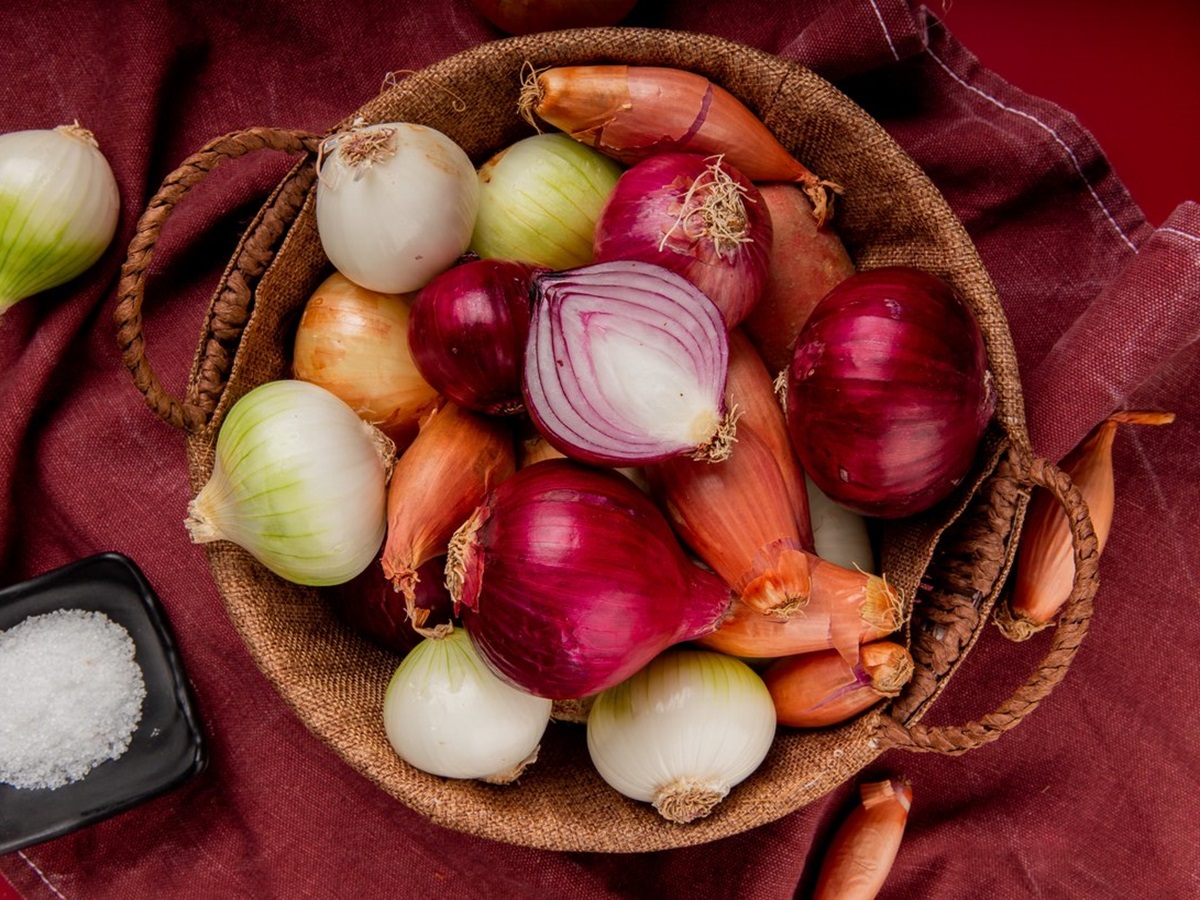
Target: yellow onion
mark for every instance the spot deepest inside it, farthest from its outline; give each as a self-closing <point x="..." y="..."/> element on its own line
<point x="353" y="342"/>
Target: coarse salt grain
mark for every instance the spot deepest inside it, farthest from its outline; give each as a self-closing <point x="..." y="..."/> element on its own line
<point x="70" y="697"/>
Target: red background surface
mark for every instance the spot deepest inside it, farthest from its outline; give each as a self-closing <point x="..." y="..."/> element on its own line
<point x="1129" y="70"/>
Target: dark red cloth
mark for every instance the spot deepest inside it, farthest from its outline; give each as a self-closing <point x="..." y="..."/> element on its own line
<point x="1092" y="796"/>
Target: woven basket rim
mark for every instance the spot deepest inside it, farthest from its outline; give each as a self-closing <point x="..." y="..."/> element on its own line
<point x="759" y="800"/>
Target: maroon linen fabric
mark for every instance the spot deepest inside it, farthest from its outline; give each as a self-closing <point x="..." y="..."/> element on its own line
<point x="1091" y="796"/>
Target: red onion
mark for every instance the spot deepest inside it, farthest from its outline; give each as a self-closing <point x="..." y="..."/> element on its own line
<point x="373" y="607"/>
<point x="889" y="392"/>
<point x="569" y="580"/>
<point x="467" y="332"/>
<point x="694" y="215"/>
<point x="626" y="364"/>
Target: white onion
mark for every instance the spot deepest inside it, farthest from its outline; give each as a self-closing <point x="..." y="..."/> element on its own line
<point x="840" y="535"/>
<point x="299" y="481"/>
<point x="396" y="204"/>
<point x="682" y="731"/>
<point x="446" y="713"/>
<point x="58" y="209"/>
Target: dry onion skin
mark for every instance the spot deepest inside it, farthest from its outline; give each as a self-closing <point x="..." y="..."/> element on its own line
<point x="396" y="204"/>
<point x="353" y="342"/>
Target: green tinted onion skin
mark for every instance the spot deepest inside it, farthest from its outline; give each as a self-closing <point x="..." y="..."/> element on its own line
<point x="539" y="201"/>
<point x="299" y="481"/>
<point x="58" y="209"/>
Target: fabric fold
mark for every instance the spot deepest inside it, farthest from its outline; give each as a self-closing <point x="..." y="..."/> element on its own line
<point x="1138" y="323"/>
<point x="880" y="32"/>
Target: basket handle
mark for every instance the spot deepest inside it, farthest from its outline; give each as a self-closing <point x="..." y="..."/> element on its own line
<point x="191" y="415"/>
<point x="952" y="740"/>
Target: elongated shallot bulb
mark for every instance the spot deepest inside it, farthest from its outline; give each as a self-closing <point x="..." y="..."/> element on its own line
<point x="634" y="112"/>
<point x="865" y="846"/>
<point x="455" y="459"/>
<point x="813" y="690"/>
<point x="1045" y="567"/>
<point x="845" y="608"/>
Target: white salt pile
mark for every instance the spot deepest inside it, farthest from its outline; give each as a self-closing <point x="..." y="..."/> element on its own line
<point x="70" y="697"/>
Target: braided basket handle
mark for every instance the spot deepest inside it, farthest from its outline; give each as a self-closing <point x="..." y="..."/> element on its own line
<point x="953" y="740"/>
<point x="185" y="414"/>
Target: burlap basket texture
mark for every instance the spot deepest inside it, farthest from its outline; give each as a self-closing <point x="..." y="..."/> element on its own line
<point x="948" y="564"/>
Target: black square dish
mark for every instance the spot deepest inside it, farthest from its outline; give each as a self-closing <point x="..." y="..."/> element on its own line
<point x="167" y="747"/>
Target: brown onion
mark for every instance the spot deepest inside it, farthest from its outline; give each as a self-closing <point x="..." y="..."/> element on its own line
<point x="354" y="343"/>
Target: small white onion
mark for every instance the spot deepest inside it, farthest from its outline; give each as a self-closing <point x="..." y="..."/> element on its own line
<point x="445" y="712"/>
<point x="299" y="481"/>
<point x="682" y="731"/>
<point x="58" y="209"/>
<point x="840" y="535"/>
<point x="396" y="204"/>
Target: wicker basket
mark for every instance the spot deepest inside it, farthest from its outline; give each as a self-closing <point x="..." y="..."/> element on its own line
<point x="948" y="563"/>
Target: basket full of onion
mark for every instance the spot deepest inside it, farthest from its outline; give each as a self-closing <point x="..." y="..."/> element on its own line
<point x="607" y="440"/>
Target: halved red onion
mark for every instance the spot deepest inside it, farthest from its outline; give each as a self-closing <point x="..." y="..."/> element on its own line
<point x="697" y="216"/>
<point x="467" y="332"/>
<point x="889" y="392"/>
<point x="626" y="365"/>
<point x="569" y="580"/>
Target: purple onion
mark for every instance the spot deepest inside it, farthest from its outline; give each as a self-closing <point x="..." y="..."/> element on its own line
<point x="889" y="392"/>
<point x="467" y="332"/>
<point x="697" y="216"/>
<point x="626" y="365"/>
<point x="569" y="580"/>
<point x="372" y="606"/>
